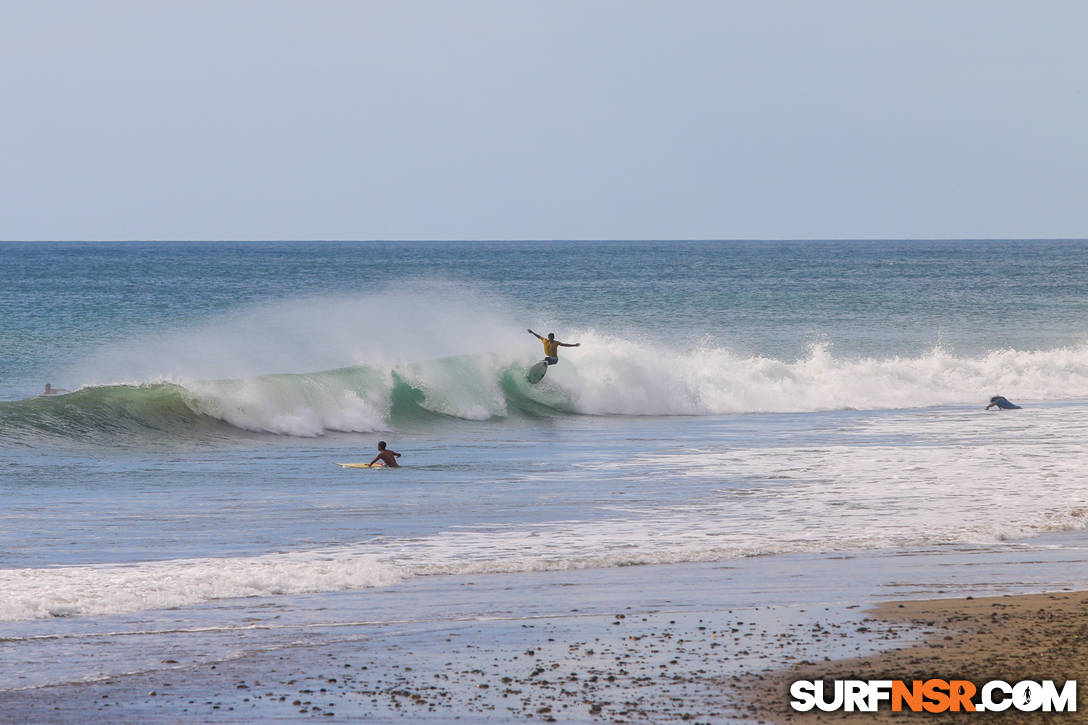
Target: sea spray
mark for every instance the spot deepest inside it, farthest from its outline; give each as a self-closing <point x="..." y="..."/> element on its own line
<point x="427" y="321"/>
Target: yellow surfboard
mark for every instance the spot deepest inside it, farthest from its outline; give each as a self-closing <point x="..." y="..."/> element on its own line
<point x="379" y="464"/>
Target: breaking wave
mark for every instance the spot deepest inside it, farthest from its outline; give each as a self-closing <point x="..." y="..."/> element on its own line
<point x="371" y="362"/>
<point x="605" y="376"/>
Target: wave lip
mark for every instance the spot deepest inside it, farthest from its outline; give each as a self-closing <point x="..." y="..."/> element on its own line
<point x="350" y="399"/>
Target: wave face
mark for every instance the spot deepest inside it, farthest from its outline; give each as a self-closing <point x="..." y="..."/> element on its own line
<point x="605" y="376"/>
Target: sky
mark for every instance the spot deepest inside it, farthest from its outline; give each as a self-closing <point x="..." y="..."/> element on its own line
<point x="557" y="119"/>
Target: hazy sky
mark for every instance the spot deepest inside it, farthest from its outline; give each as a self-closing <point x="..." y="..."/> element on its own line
<point x="584" y="119"/>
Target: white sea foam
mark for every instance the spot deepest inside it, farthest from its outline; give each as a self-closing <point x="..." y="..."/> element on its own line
<point x="673" y="536"/>
<point x="299" y="405"/>
<point x="880" y="481"/>
<point x="616" y="377"/>
<point x="106" y="589"/>
<point x="609" y="376"/>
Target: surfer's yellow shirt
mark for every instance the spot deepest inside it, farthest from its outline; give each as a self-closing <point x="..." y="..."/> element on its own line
<point x="551" y="347"/>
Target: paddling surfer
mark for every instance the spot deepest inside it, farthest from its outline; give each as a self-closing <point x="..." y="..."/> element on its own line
<point x="551" y="347"/>
<point x="1002" y="402"/>
<point x="386" y="456"/>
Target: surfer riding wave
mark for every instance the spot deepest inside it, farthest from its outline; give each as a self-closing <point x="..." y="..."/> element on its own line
<point x="551" y="347"/>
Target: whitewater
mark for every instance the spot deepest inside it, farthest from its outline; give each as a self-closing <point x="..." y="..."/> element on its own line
<point x="728" y="401"/>
<point x="611" y="377"/>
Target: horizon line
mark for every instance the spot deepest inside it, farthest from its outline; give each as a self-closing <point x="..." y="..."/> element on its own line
<point x="551" y="239"/>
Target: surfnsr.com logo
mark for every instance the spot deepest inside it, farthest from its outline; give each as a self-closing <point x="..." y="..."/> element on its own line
<point x="933" y="695"/>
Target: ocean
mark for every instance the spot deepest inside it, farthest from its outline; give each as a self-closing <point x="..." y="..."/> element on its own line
<point x="729" y="403"/>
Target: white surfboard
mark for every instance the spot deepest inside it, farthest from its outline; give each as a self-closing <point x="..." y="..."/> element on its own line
<point x="536" y="373"/>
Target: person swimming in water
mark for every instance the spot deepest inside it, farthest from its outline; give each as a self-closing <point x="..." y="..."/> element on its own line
<point x="1002" y="402"/>
<point x="386" y="456"/>
<point x="551" y="347"/>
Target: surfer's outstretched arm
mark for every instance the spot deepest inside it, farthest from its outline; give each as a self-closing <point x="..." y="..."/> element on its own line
<point x="568" y="344"/>
<point x="535" y="335"/>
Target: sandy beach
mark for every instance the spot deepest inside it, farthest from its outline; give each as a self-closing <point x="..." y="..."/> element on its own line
<point x="1010" y="638"/>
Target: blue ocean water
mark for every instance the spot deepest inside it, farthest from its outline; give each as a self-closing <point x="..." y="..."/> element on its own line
<point x="62" y="301"/>
<point x="727" y="400"/>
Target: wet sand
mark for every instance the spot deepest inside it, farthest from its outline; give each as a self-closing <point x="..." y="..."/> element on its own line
<point x="631" y="666"/>
<point x="703" y="643"/>
<point x="1010" y="638"/>
<point x="626" y="667"/>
